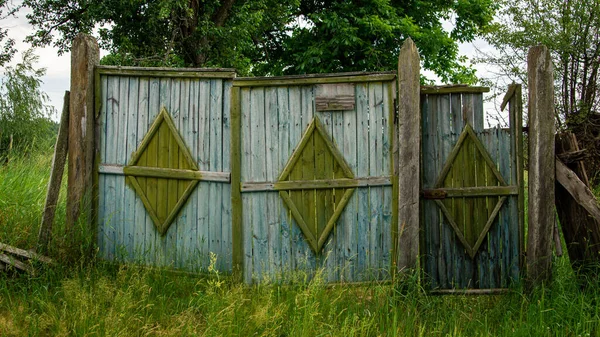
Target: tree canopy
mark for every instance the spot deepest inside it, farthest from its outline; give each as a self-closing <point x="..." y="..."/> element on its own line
<point x="268" y="37"/>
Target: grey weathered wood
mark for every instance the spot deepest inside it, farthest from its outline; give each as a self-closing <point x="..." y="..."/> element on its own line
<point x="580" y="192"/>
<point x="58" y="166"/>
<point x="409" y="161"/>
<point x="16" y="263"/>
<point x="541" y="165"/>
<point x="84" y="57"/>
<point x="24" y="253"/>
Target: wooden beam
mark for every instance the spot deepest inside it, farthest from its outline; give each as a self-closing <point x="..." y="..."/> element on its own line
<point x="158" y="172"/>
<point x="541" y="166"/>
<point x="9" y="260"/>
<point x="56" y="174"/>
<point x="313" y="79"/>
<point x="451" y="89"/>
<point x="482" y="191"/>
<point x="409" y="175"/>
<point x="225" y="73"/>
<point x="26" y="254"/>
<point x="237" y="239"/>
<point x="577" y="189"/>
<point x="315" y="184"/>
<point x="84" y="57"/>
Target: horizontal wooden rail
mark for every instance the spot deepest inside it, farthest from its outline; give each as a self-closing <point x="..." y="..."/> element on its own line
<point x="315" y="184"/>
<point x="157" y="172"/>
<point x="313" y="79"/>
<point x="167" y="72"/>
<point x="482" y="191"/>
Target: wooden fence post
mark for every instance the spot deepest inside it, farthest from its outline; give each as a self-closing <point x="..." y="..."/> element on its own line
<point x="541" y="165"/>
<point x="409" y="175"/>
<point x="85" y="55"/>
<point x="56" y="174"/>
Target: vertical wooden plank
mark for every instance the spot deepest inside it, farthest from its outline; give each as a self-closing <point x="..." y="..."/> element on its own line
<point x="516" y="129"/>
<point x="307" y="111"/>
<point x="507" y="214"/>
<point x="140" y="211"/>
<point x="541" y="165"/>
<point x="285" y="150"/>
<point x="409" y="178"/>
<point x="102" y="179"/>
<point x="111" y="158"/>
<point x="121" y="159"/>
<point x="173" y="185"/>
<point x="203" y="161"/>
<point x="185" y="219"/>
<point x="362" y="170"/>
<point x="272" y="171"/>
<point x="298" y="241"/>
<point x="350" y="211"/>
<point x="329" y="251"/>
<point x="429" y="207"/>
<point x="461" y="260"/>
<point x="447" y="236"/>
<point x="216" y="165"/>
<point x="191" y="233"/>
<point x="386" y="234"/>
<point x="375" y="193"/>
<point x="247" y="198"/>
<point x="237" y="234"/>
<point x="84" y="57"/>
<point x="257" y="173"/>
<point x="226" y="211"/>
<point x="151" y="183"/>
<point x="129" y="219"/>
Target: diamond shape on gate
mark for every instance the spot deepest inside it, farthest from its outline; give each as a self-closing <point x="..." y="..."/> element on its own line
<point x="315" y="163"/>
<point x="470" y="166"/>
<point x="162" y="172"/>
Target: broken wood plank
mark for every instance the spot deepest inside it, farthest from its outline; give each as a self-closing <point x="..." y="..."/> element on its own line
<point x="573" y="156"/>
<point x="16" y="263"/>
<point x="577" y="189"/>
<point x="58" y="167"/>
<point x="24" y="253"/>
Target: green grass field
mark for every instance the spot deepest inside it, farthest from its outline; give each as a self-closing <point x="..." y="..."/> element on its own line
<point x="91" y="297"/>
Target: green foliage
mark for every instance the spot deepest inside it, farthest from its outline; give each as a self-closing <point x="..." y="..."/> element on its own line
<point x="570" y="31"/>
<point x="269" y="37"/>
<point x="8" y="50"/>
<point x="24" y="115"/>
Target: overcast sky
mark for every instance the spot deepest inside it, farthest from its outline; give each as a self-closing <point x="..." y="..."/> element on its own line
<point x="56" y="80"/>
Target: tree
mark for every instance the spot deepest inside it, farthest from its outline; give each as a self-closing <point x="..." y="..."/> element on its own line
<point x="571" y="30"/>
<point x="268" y="37"/>
<point x="24" y="114"/>
<point x="7" y="50"/>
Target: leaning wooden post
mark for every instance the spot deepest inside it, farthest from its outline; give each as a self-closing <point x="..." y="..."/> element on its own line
<point x="84" y="57"/>
<point x="56" y="174"/>
<point x="541" y="165"/>
<point x="409" y="175"/>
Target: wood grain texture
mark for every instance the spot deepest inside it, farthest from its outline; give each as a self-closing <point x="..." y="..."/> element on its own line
<point x="541" y="166"/>
<point x="84" y="57"/>
<point x="409" y="179"/>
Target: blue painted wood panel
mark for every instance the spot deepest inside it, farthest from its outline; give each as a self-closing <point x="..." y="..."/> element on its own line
<point x="359" y="246"/>
<point x="446" y="262"/>
<point x="200" y="108"/>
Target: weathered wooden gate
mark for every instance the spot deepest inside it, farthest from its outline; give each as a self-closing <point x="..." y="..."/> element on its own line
<point x="281" y="177"/>
<point x="162" y="139"/>
<point x="315" y="173"/>
<point x="471" y="221"/>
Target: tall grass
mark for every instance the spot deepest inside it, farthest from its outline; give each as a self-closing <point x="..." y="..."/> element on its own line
<point x="98" y="298"/>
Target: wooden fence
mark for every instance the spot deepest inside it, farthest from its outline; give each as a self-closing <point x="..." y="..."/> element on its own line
<point x="283" y="177"/>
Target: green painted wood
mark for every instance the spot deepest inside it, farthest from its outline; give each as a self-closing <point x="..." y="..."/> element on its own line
<point x="448" y="264"/>
<point x="133" y="106"/>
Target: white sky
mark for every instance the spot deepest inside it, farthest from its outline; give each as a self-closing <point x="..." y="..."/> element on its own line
<point x="58" y="70"/>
